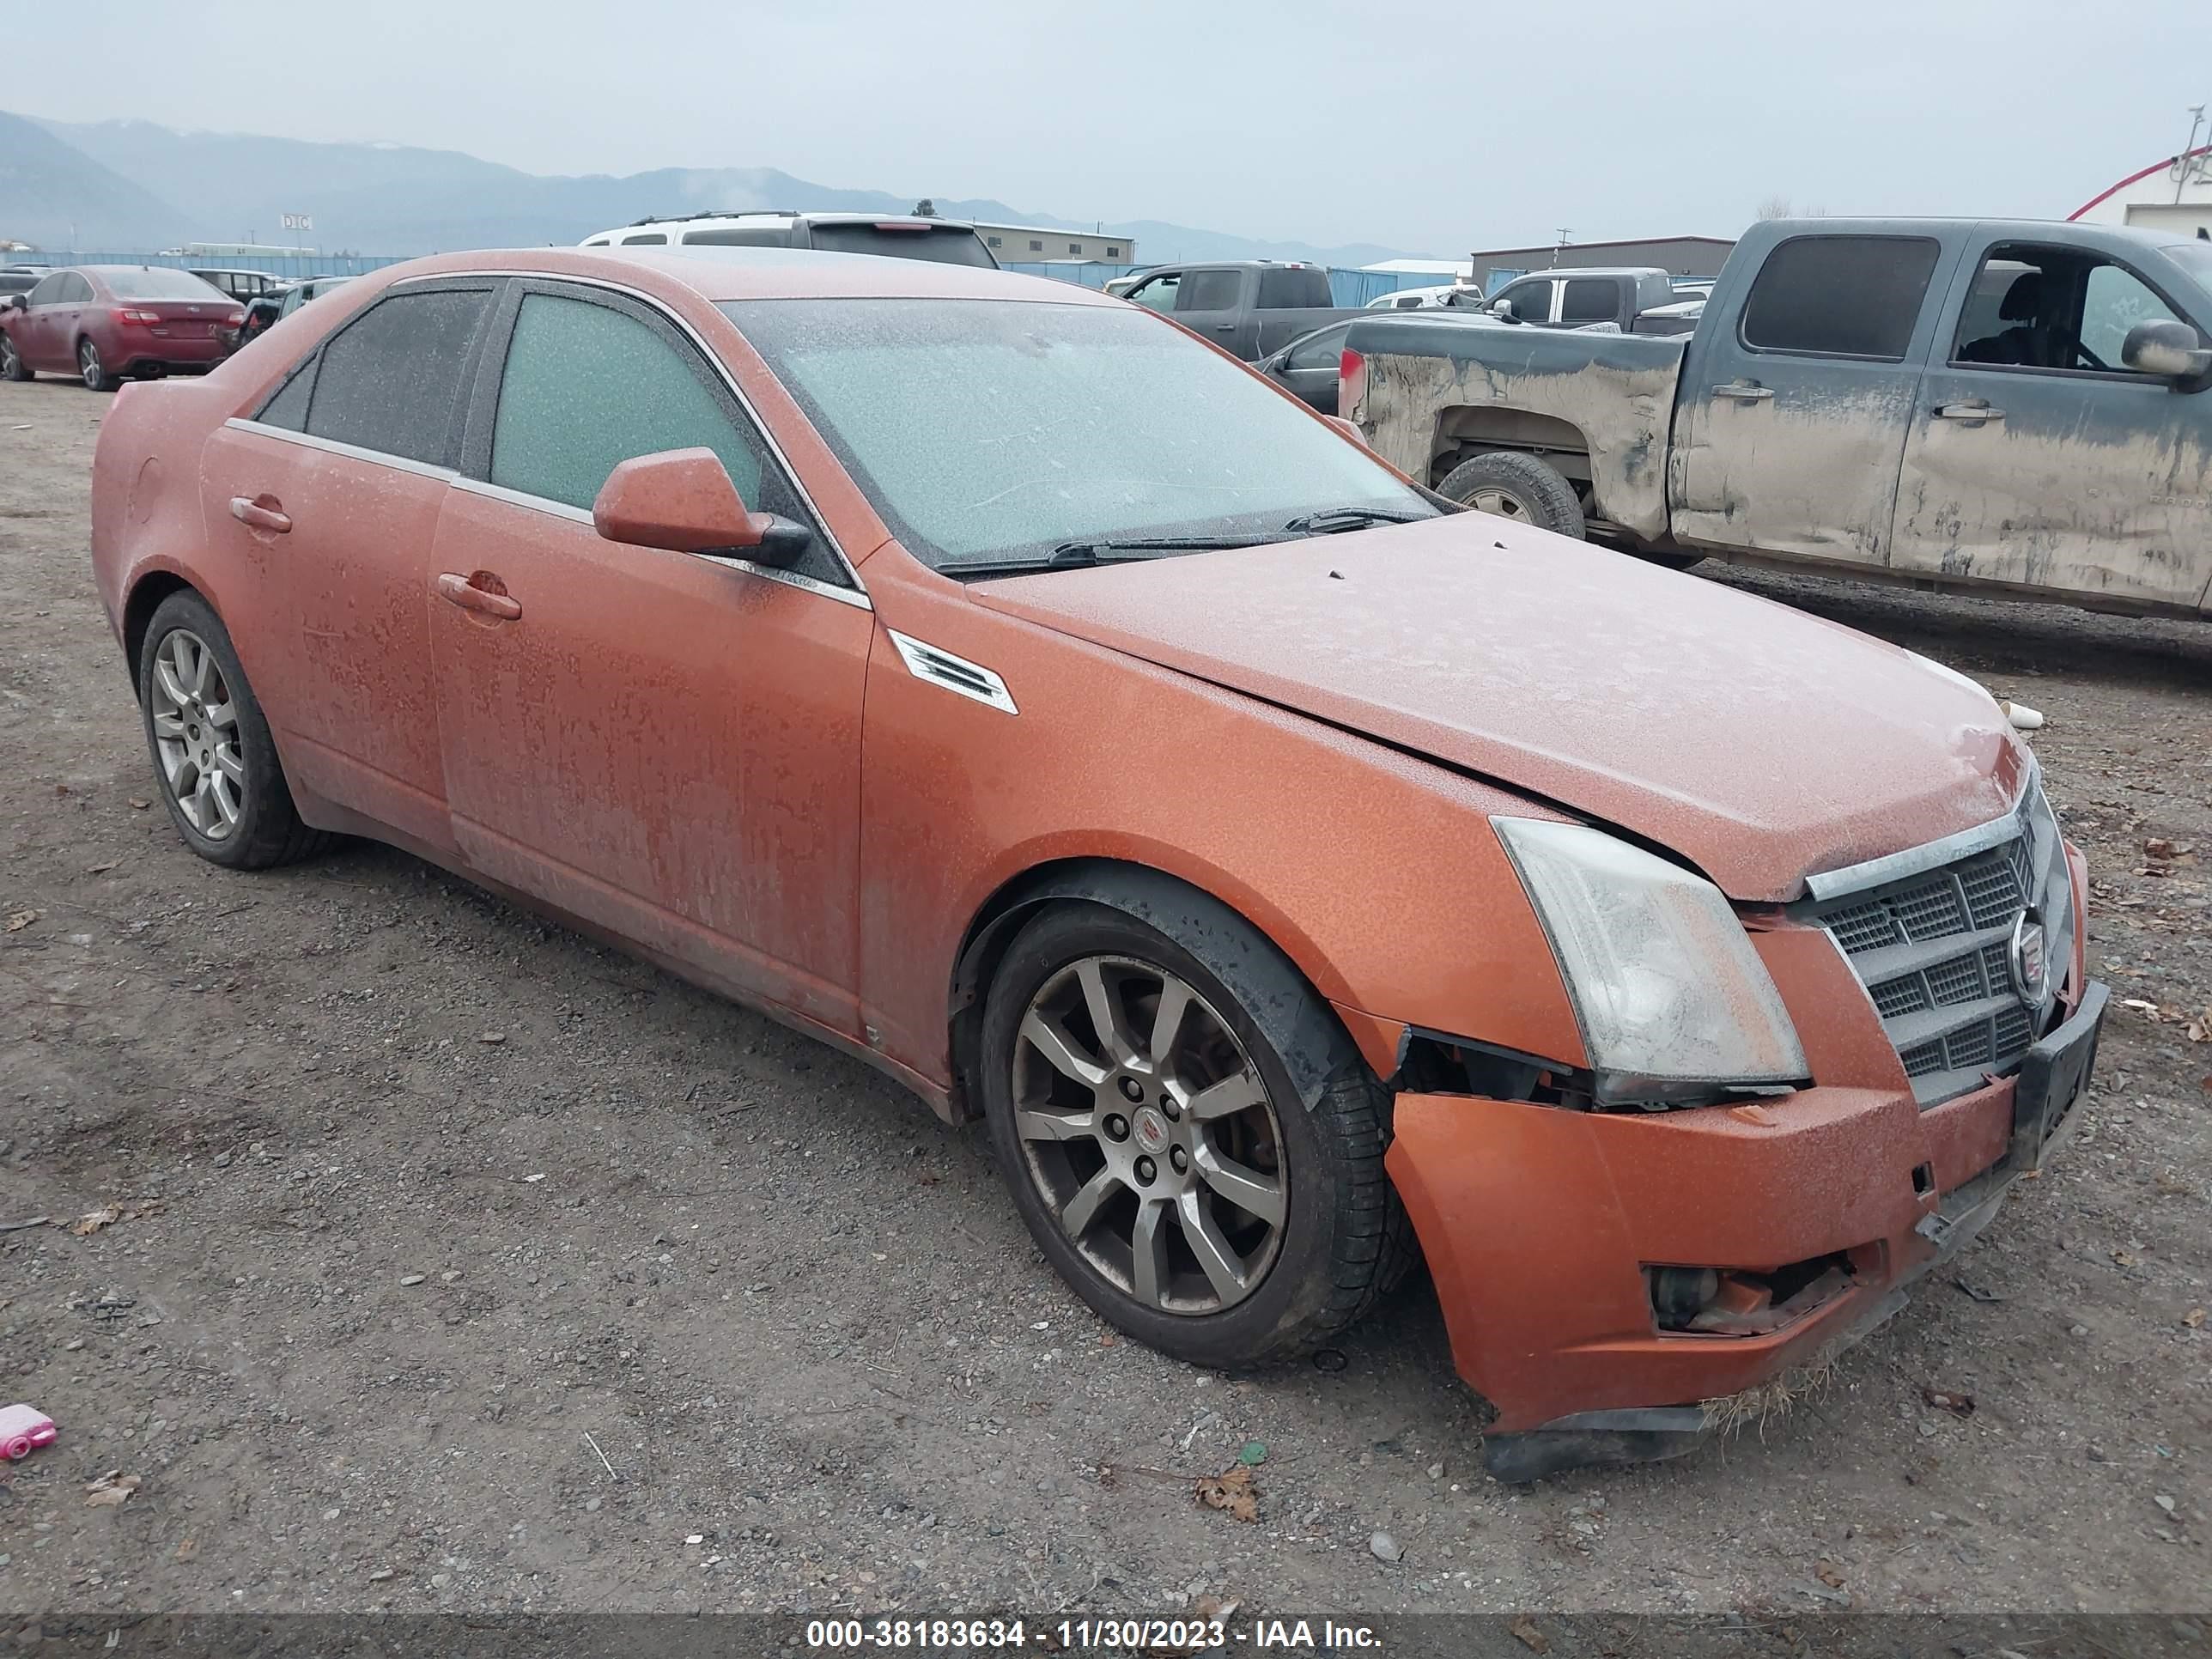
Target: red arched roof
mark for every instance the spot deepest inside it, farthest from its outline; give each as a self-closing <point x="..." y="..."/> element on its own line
<point x="2137" y="177"/>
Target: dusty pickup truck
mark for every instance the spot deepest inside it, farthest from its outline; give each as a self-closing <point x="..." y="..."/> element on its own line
<point x="2001" y="407"/>
<point x="1250" y="308"/>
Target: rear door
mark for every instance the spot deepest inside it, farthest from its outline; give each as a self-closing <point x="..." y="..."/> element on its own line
<point x="1211" y="303"/>
<point x="1789" y="437"/>
<point x="354" y="455"/>
<point x="2036" y="458"/>
<point x="664" y="745"/>
<point x="1586" y="300"/>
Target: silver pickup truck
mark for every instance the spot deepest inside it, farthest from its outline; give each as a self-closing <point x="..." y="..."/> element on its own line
<point x="2004" y="407"/>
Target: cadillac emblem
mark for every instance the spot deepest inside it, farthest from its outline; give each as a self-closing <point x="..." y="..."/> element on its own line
<point x="2030" y="961"/>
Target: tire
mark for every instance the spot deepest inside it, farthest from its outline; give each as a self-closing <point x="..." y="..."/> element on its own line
<point x="1342" y="1240"/>
<point x="243" y="819"/>
<point x="93" y="373"/>
<point x="12" y="366"/>
<point x="1517" y="487"/>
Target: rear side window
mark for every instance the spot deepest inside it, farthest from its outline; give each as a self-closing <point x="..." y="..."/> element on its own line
<point x="651" y="239"/>
<point x="947" y="245"/>
<point x="1840" y="297"/>
<point x="587" y="387"/>
<point x="1209" y="290"/>
<point x="289" y="408"/>
<point x="759" y="236"/>
<point x="391" y="379"/>
<point x="1294" y="290"/>
<point x="1587" y="300"/>
<point x="75" y="290"/>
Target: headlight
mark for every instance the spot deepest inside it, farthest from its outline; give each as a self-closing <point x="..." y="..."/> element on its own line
<point x="1674" y="1002"/>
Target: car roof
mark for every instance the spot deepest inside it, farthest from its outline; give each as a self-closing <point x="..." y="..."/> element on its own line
<point x="782" y="216"/>
<point x="719" y="274"/>
<point x="1592" y="270"/>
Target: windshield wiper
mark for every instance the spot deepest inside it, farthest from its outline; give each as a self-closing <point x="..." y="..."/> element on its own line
<point x="1329" y="521"/>
<point x="1070" y="555"/>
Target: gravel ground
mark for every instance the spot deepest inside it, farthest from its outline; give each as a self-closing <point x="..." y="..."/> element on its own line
<point x="458" y="1263"/>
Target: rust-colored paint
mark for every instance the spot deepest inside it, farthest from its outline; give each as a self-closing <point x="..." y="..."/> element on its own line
<point x="683" y="501"/>
<point x="742" y="780"/>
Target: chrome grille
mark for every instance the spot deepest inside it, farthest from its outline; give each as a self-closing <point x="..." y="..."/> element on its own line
<point x="1933" y="946"/>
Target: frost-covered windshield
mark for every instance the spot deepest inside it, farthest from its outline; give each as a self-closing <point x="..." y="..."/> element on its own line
<point x="987" y="431"/>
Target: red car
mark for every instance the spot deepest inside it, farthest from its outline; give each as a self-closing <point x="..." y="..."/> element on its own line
<point x="106" y="323"/>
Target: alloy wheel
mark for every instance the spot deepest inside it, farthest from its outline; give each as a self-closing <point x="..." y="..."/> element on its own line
<point x="87" y="362"/>
<point x="195" y="735"/>
<point x="1500" y="503"/>
<point x="1149" y="1135"/>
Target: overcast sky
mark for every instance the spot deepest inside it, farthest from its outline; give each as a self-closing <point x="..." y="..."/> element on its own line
<point x="1428" y="123"/>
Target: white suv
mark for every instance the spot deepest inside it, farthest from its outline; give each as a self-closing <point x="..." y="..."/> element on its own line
<point x="945" y="242"/>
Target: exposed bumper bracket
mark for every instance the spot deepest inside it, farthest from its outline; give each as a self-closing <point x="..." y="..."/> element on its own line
<point x="1639" y="1435"/>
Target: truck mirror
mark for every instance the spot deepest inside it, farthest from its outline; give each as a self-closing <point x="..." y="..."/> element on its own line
<point x="2167" y="348"/>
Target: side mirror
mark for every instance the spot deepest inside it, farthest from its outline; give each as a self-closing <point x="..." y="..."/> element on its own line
<point x="2167" y="348"/>
<point x="19" y="302"/>
<point x="682" y="500"/>
<point x="1501" y="307"/>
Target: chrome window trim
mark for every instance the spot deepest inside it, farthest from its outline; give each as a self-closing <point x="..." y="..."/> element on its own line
<point x="1894" y="867"/>
<point x="929" y="663"/>
<point x="577" y="515"/>
<point x="351" y="452"/>
<point x="544" y="504"/>
<point x="721" y="369"/>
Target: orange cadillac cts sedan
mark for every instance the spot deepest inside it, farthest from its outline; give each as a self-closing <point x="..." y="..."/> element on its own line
<point x="1300" y="878"/>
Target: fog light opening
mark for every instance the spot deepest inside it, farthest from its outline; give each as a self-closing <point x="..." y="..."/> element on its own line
<point x="1739" y="1302"/>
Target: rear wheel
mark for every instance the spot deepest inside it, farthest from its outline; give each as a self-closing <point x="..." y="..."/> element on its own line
<point x="94" y="371"/>
<point x="12" y="366"/>
<point x="1160" y="1154"/>
<point x="213" y="756"/>
<point x="1511" y="485"/>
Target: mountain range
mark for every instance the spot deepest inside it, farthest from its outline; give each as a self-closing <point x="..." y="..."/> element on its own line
<point x="129" y="185"/>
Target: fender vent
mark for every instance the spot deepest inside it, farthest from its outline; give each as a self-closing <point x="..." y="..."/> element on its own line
<point x="926" y="662"/>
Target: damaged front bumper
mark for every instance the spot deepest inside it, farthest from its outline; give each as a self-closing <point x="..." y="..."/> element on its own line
<point x="1545" y="1231"/>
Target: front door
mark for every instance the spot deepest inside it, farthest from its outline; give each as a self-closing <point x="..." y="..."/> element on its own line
<point x="2036" y="459"/>
<point x="1311" y="366"/>
<point x="1789" y="427"/>
<point x="330" y="495"/>
<point x="664" y="745"/>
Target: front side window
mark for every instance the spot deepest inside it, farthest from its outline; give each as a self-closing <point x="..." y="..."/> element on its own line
<point x="1840" y="297"/>
<point x="1587" y="300"/>
<point x="1158" y="292"/>
<point x="1530" y="301"/>
<point x="1075" y="423"/>
<point x="48" y="292"/>
<point x="1322" y="349"/>
<point x="391" y="379"/>
<point x="2058" y="308"/>
<point x="587" y="387"/>
<point x="1209" y="290"/>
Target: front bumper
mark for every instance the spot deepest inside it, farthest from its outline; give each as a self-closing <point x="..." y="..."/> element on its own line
<point x="1539" y="1224"/>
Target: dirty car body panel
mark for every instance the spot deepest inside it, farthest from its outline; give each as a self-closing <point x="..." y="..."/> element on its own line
<point x="843" y="788"/>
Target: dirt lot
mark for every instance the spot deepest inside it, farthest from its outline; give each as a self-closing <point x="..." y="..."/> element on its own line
<point x="462" y="1264"/>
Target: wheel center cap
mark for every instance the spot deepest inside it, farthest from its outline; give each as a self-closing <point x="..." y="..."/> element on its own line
<point x="1151" y="1129"/>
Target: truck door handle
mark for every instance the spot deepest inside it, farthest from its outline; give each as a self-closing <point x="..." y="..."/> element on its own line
<point x="464" y="592"/>
<point x="1976" y="412"/>
<point x="1744" y="392"/>
<point x="262" y="512"/>
<point x="1226" y="328"/>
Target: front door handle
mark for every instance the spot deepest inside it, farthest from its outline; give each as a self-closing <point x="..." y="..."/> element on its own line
<point x="1744" y="392"/>
<point x="1977" y="412"/>
<point x="464" y="592"/>
<point x="1226" y="328"/>
<point x="262" y="512"/>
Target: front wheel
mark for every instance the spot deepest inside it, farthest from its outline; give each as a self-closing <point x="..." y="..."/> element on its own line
<point x="1160" y="1154"/>
<point x="1507" y="484"/>
<point x="94" y="371"/>
<point x="12" y="366"/>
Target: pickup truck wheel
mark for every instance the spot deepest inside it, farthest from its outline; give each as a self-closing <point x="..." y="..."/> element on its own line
<point x="1519" y="487"/>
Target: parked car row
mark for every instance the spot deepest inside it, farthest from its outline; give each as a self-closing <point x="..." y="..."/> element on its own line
<point x="1409" y="945"/>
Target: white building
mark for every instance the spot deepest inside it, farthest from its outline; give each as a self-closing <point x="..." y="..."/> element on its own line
<point x="2174" y="195"/>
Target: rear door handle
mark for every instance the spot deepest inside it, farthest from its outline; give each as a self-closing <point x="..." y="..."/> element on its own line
<point x="256" y="516"/>
<point x="464" y="592"/>
<point x="1744" y="393"/>
<point x="1976" y="412"/>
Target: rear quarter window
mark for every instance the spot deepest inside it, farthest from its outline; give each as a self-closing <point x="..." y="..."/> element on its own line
<point x="1840" y="297"/>
<point x="949" y="245"/>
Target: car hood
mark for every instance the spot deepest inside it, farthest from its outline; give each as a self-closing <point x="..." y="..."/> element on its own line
<point x="1761" y="744"/>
